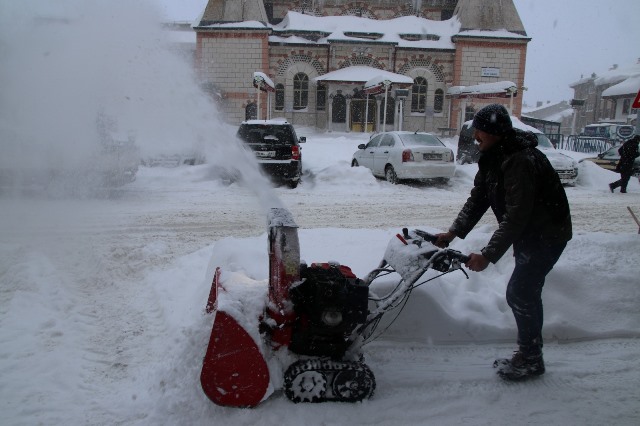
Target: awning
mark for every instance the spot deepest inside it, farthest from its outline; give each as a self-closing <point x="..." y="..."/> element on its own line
<point x="499" y="89"/>
<point x="263" y="82"/>
<point x="377" y="85"/>
<point x="362" y="75"/>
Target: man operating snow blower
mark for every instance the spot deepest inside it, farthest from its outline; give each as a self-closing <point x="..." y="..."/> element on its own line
<point x="519" y="184"/>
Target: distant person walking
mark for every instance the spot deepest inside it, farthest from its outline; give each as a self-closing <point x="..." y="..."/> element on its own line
<point x="628" y="153"/>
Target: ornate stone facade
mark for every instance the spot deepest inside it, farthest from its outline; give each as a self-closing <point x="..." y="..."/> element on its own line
<point x="434" y="42"/>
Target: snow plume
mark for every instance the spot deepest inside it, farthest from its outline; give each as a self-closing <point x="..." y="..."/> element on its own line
<point x="75" y="70"/>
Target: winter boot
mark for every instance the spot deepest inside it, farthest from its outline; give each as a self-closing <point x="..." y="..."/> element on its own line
<point x="521" y="366"/>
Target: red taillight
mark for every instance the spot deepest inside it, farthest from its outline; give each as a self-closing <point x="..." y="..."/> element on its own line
<point x="295" y="152"/>
<point x="407" y="155"/>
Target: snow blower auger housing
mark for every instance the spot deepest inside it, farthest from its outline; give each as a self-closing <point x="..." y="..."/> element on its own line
<point x="319" y="315"/>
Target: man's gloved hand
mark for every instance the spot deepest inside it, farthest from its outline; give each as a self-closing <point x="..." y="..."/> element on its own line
<point x="477" y="262"/>
<point x="444" y="239"/>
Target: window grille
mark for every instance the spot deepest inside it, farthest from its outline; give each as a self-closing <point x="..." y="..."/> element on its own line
<point x="438" y="101"/>
<point x="419" y="95"/>
<point x="300" y="91"/>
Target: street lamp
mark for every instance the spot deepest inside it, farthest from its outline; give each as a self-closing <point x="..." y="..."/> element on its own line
<point x="401" y="95"/>
<point x="386" y="84"/>
<point x="513" y="91"/>
<point x="258" y="82"/>
<point x="575" y="104"/>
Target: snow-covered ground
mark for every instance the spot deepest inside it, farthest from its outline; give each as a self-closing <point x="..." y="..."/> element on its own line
<point x="102" y="297"/>
<point x="102" y="301"/>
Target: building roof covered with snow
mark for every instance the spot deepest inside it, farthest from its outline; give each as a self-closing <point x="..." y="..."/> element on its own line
<point x="551" y="112"/>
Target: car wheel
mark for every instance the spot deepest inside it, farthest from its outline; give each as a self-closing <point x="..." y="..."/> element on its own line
<point x="390" y="175"/>
<point x="354" y="163"/>
<point x="293" y="184"/>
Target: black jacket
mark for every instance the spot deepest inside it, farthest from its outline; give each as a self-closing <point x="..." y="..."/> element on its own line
<point x="628" y="153"/>
<point x="524" y="191"/>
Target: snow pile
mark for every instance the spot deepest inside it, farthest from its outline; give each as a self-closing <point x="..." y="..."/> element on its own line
<point x="102" y="309"/>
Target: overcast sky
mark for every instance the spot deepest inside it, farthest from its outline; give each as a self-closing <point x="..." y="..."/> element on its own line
<point x="570" y="38"/>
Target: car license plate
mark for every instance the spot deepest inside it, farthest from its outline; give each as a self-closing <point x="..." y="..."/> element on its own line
<point x="265" y="154"/>
<point x="432" y="156"/>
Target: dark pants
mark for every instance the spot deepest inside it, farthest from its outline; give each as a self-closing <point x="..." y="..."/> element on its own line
<point x="623" y="182"/>
<point x="524" y="290"/>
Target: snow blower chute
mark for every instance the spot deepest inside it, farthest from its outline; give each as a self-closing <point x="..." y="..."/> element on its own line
<point x="316" y="319"/>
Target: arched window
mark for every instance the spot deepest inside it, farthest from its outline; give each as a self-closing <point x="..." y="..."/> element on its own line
<point x="339" y="109"/>
<point x="279" y="97"/>
<point x="300" y="91"/>
<point x="321" y="97"/>
<point x="438" y="100"/>
<point x="419" y="95"/>
<point x="251" y="111"/>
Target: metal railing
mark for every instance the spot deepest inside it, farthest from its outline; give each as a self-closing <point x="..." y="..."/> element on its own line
<point x="556" y="139"/>
<point x="586" y="144"/>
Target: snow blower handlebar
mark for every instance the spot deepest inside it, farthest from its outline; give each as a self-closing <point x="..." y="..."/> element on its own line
<point x="410" y="255"/>
<point x="422" y="234"/>
<point x="425" y="236"/>
<point x="413" y="253"/>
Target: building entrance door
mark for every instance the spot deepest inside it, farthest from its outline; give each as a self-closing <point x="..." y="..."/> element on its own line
<point x="360" y="123"/>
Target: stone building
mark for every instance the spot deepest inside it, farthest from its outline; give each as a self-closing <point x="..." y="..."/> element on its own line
<point x="607" y="97"/>
<point x="320" y="53"/>
<point x="551" y="119"/>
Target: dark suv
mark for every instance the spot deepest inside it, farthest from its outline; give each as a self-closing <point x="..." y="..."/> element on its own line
<point x="467" y="149"/>
<point x="277" y="148"/>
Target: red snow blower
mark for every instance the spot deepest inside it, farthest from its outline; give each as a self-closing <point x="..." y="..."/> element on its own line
<point x="313" y="324"/>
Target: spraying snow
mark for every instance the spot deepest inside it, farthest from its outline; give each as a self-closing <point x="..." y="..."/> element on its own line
<point x="74" y="68"/>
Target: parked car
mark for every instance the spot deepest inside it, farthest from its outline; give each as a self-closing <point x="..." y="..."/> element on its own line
<point x="406" y="155"/>
<point x="108" y="166"/>
<point x="174" y="160"/>
<point x="565" y="166"/>
<point x="467" y="148"/>
<point x="276" y="147"/>
<point x="117" y="163"/>
<point x="609" y="158"/>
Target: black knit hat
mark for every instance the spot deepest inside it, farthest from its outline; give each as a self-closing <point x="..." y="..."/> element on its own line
<point x="493" y="119"/>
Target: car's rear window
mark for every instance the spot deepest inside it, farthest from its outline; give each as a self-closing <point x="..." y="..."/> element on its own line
<point x="266" y="133"/>
<point x="420" y="139"/>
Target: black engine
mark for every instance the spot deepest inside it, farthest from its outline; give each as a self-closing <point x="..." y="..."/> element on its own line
<point x="330" y="302"/>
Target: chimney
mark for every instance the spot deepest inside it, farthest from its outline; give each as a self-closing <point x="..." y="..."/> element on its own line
<point x="538" y="104"/>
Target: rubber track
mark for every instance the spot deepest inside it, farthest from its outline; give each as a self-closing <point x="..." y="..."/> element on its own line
<point x="330" y="369"/>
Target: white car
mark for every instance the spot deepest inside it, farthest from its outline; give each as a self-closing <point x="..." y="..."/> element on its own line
<point x="565" y="166"/>
<point x="406" y="155"/>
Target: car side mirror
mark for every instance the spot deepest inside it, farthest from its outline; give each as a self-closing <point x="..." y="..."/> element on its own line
<point x="362" y="146"/>
<point x="302" y="139"/>
<point x="601" y="155"/>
